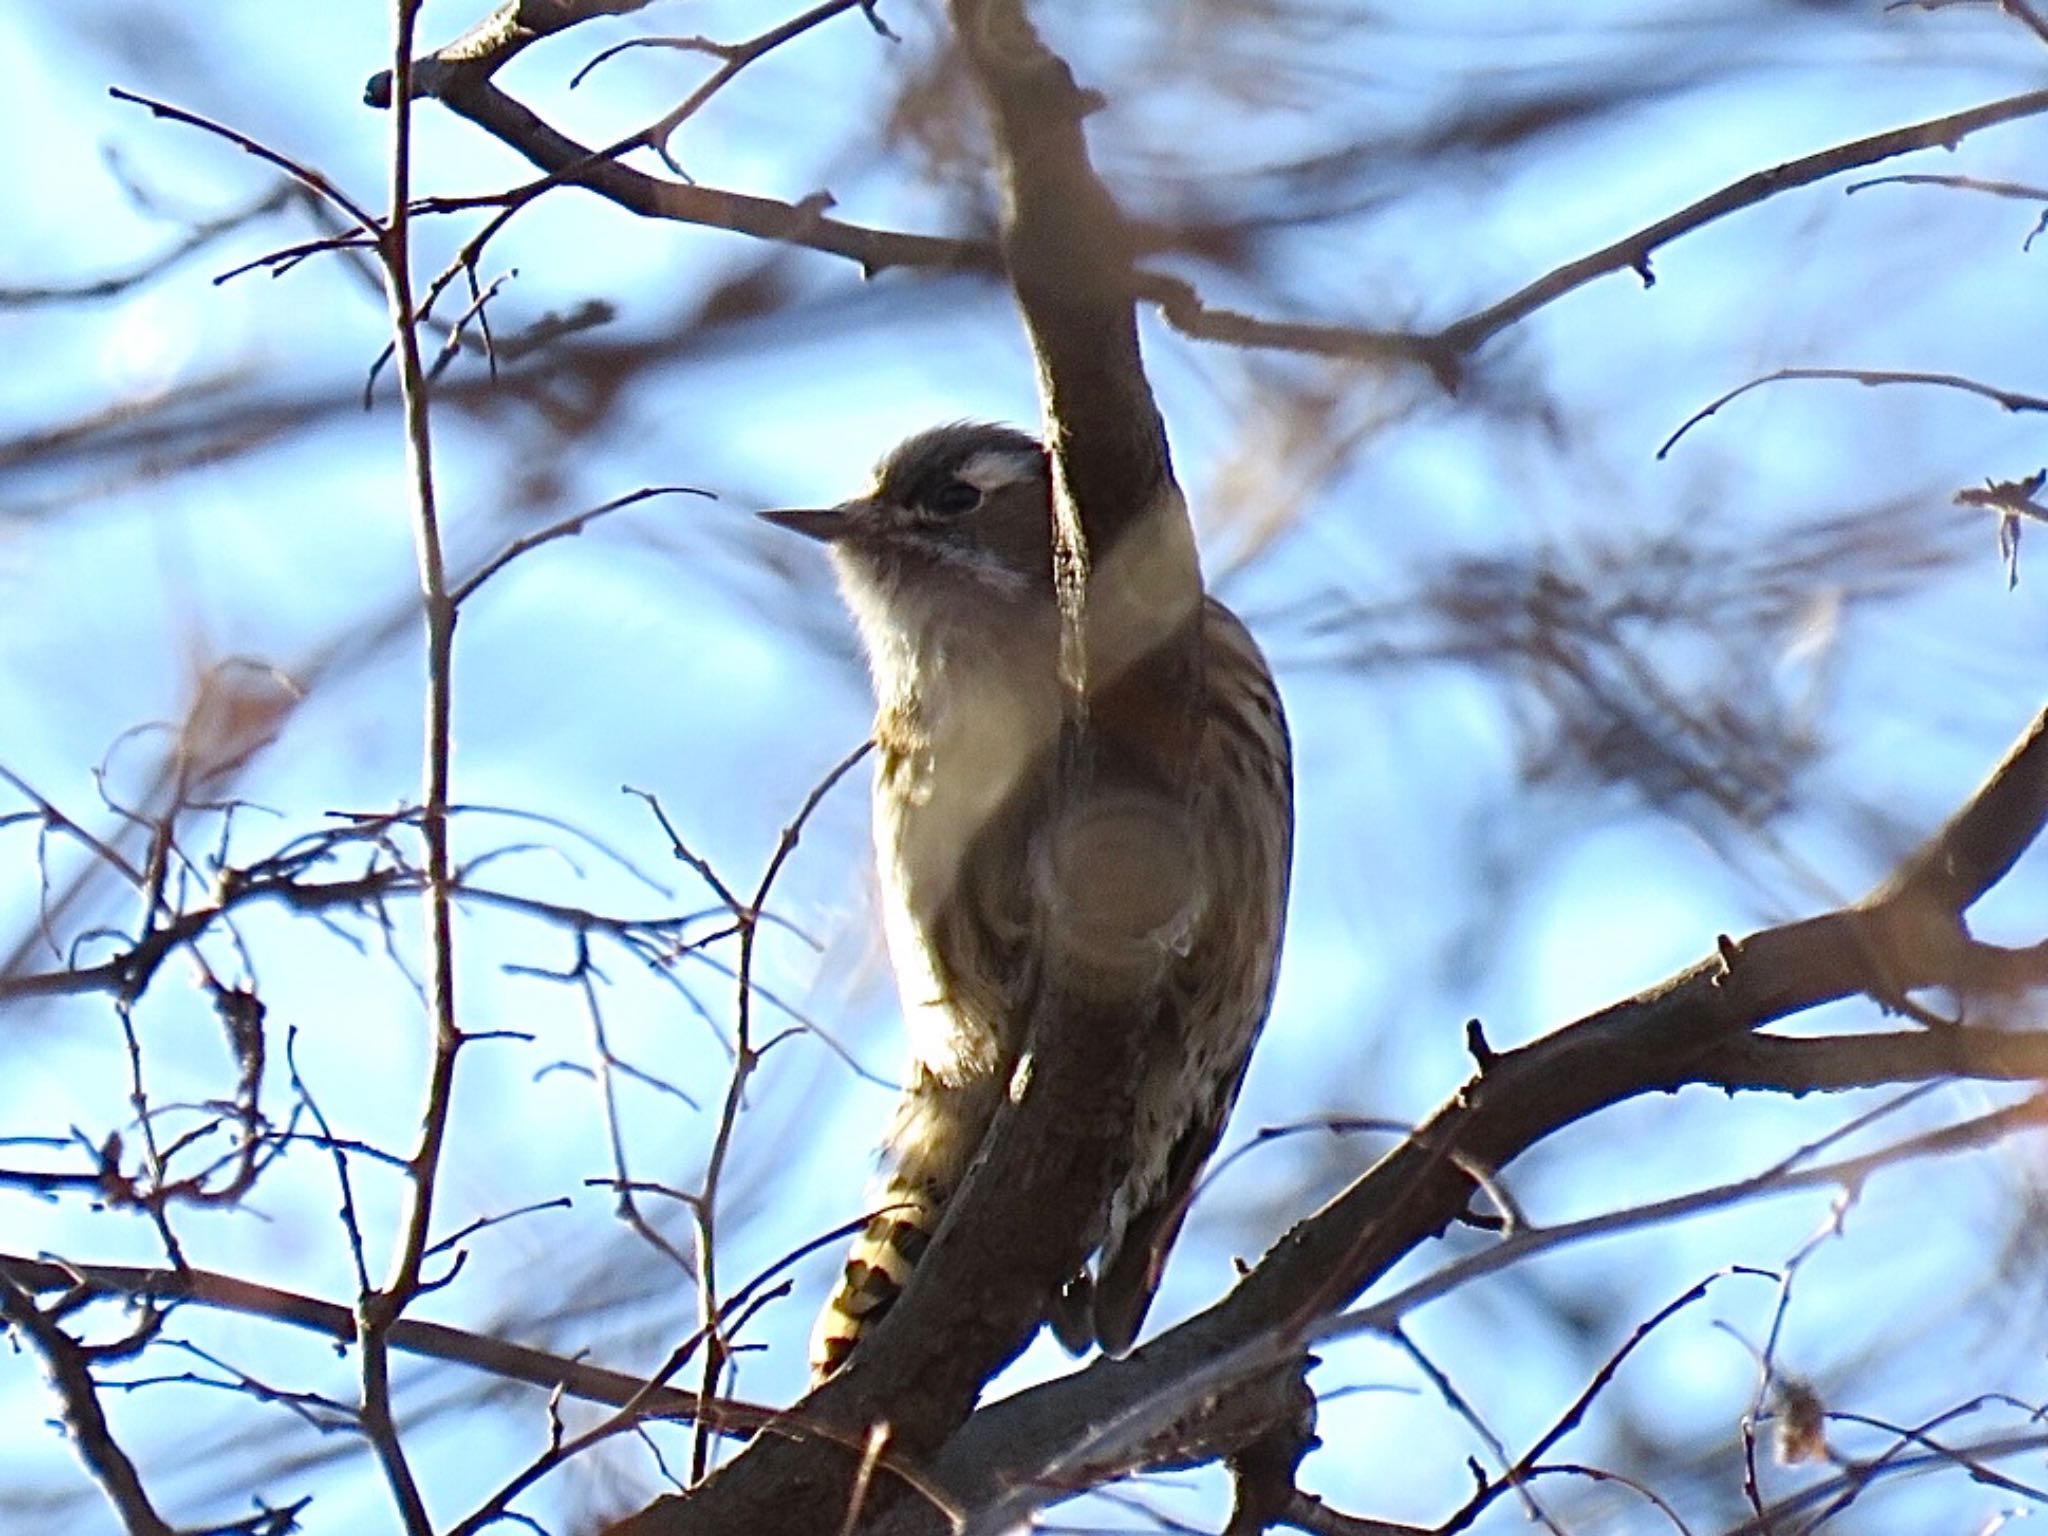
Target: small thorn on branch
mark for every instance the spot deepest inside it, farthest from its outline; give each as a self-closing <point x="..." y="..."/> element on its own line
<point x="1478" y="1047"/>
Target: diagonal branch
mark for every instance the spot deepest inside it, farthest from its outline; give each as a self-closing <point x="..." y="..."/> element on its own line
<point x="70" y="1366"/>
<point x="1632" y="252"/>
<point x="436" y="1341"/>
<point x="470" y="94"/>
<point x="1694" y="1027"/>
<point x="494" y="42"/>
<point x="2011" y="400"/>
<point x="460" y="78"/>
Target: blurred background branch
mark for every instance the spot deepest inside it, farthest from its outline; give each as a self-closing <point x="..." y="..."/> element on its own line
<point x="1564" y="714"/>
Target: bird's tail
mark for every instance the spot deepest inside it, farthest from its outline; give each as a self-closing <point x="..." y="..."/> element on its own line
<point x="878" y="1266"/>
<point x="937" y="1128"/>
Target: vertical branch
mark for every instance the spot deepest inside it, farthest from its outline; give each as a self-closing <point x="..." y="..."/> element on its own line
<point x="1069" y="252"/>
<point x="746" y="1056"/>
<point x="379" y="1310"/>
<point x="1129" y="594"/>
<point x="440" y="635"/>
<point x="744" y="1059"/>
<point x="1124" y="552"/>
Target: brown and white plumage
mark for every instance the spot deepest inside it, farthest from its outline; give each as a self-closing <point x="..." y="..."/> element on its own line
<point x="947" y="567"/>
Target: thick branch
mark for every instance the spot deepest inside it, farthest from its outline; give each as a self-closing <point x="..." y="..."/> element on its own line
<point x="1983" y="840"/>
<point x="493" y="42"/>
<point x="466" y="90"/>
<point x="1069" y="253"/>
<point x="1832" y="1062"/>
<point x="1694" y="1027"/>
<point x="1009" y="1239"/>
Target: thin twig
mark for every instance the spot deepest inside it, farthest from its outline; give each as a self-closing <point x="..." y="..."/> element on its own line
<point x="568" y="527"/>
<point x="312" y="180"/>
<point x="435" y="1341"/>
<point x="745" y="1057"/>
<point x="2011" y="400"/>
<point x="1632" y="252"/>
<point x="378" y="1310"/>
<point x="1513" y="1474"/>
<point x="736" y="57"/>
<point x="1527" y="1466"/>
<point x="197" y="237"/>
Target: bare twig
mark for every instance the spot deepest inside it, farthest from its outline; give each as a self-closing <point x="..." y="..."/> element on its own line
<point x="2020" y="11"/>
<point x="438" y="1341"/>
<point x="746" y="1056"/>
<point x="379" y="1309"/>
<point x="1526" y="1466"/>
<point x="622" y="1183"/>
<point x="1855" y="1478"/>
<point x="1632" y="252"/>
<point x="1513" y="1474"/>
<point x="305" y="175"/>
<point x="2020" y="190"/>
<point x="1443" y="351"/>
<point x="2011" y="400"/>
<point x="733" y="57"/>
<point x="200" y="235"/>
<point x="568" y="527"/>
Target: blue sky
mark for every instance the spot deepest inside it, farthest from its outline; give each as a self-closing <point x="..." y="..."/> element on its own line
<point x="1452" y="864"/>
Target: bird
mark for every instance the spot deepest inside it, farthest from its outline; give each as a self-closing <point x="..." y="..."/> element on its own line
<point x="946" y="563"/>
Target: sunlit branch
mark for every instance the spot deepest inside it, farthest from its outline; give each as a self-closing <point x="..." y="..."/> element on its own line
<point x="1665" y="1037"/>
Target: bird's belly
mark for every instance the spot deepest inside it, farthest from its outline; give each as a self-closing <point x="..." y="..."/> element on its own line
<point x="953" y="866"/>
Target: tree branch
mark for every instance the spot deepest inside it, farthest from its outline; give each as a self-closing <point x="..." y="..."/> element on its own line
<point x="1693" y="1027"/>
<point x="434" y="1341"/>
<point x="468" y="93"/>
<point x="1632" y="252"/>
<point x="70" y="1367"/>
<point x="459" y="76"/>
<point x="1009" y="1239"/>
<point x="493" y="42"/>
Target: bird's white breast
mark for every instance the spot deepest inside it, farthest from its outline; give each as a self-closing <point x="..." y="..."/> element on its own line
<point x="954" y="753"/>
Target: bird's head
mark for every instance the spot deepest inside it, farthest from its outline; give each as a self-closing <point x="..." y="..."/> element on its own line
<point x="958" y="518"/>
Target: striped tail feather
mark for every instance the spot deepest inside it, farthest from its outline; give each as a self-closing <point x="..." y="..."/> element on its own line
<point x="878" y="1265"/>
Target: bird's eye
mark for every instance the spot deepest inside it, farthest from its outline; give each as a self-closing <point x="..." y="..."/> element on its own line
<point x="955" y="497"/>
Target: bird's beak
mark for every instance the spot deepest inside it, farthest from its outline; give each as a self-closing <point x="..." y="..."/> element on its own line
<point x="823" y="523"/>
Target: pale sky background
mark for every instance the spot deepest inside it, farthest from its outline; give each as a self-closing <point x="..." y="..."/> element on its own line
<point x="683" y="649"/>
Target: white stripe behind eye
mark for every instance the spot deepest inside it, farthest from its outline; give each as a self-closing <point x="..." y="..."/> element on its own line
<point x="993" y="468"/>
